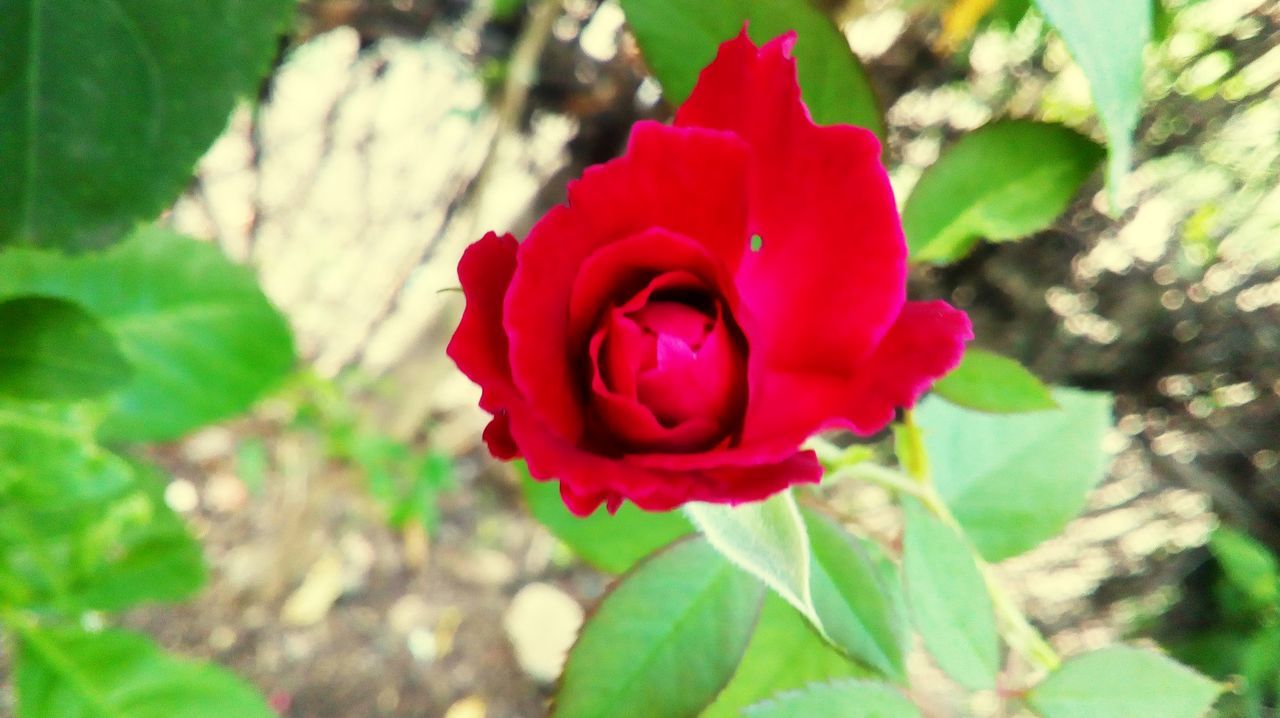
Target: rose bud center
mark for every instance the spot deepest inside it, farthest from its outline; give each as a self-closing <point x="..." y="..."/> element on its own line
<point x="668" y="375"/>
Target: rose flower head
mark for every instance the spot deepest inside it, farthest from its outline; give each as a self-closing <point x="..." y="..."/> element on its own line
<point x="703" y="304"/>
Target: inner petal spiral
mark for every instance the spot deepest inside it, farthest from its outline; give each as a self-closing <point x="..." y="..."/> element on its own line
<point x="668" y="374"/>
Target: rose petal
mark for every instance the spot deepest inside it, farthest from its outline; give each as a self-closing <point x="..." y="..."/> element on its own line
<point x="830" y="277"/>
<point x="497" y="436"/>
<point x="621" y="359"/>
<point x="587" y="480"/>
<point x="822" y="204"/>
<point x="925" y="343"/>
<point x="631" y="349"/>
<point x="479" y="345"/>
<point x="622" y="269"/>
<point x="689" y="181"/>
<point x="625" y="418"/>
<point x="710" y="383"/>
<point x="683" y="326"/>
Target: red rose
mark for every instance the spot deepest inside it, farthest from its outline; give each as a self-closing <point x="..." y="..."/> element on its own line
<point x="638" y="346"/>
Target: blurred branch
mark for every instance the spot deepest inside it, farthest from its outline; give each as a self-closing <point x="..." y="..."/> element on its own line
<point x="1226" y="502"/>
<point x="410" y="412"/>
<point x="522" y="72"/>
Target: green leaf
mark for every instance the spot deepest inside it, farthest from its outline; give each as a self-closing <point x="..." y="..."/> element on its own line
<point x="49" y="462"/>
<point x="52" y="350"/>
<point x="1123" y="682"/>
<point x="891" y="583"/>
<point x="1161" y="20"/>
<point x="68" y="673"/>
<point x="203" y="341"/>
<point x="1009" y="12"/>
<point x="108" y="105"/>
<point x="1016" y="480"/>
<point x="507" y="9"/>
<point x="784" y="653"/>
<point x="1218" y="651"/>
<point x="949" y="601"/>
<point x="680" y="38"/>
<point x="838" y="699"/>
<point x="140" y="551"/>
<point x="768" y="540"/>
<point x="82" y="529"/>
<point x="157" y="561"/>
<point x="1249" y="565"/>
<point x="1259" y="661"/>
<point x="664" y="641"/>
<point x="854" y="596"/>
<point x="610" y="543"/>
<point x="54" y="482"/>
<point x="985" y="381"/>
<point x="1107" y="39"/>
<point x="1000" y="182"/>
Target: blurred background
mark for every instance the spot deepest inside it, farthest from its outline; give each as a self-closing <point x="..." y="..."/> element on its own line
<point x="370" y="559"/>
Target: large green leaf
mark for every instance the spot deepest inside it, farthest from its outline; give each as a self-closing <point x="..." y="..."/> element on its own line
<point x="949" y="602"/>
<point x="138" y="551"/>
<point x="767" y="539"/>
<point x="855" y="599"/>
<point x="1123" y="682"/>
<point x="612" y="543"/>
<point x="679" y="38"/>
<point x="664" y="641"/>
<point x="203" y="341"/>
<point x="1248" y="565"/>
<point x="785" y="653"/>
<point x="108" y="104"/>
<point x="52" y="350"/>
<point x="838" y="699"/>
<point x="1000" y="182"/>
<point x="157" y="560"/>
<point x="49" y="461"/>
<point x="989" y="382"/>
<point x="1016" y="480"/>
<point x="81" y="528"/>
<point x="54" y="482"/>
<point x="68" y="673"/>
<point x="1107" y="39"/>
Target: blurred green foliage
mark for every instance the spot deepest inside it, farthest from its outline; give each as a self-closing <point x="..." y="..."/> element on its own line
<point x="406" y="480"/>
<point x="113" y="332"/>
<point x="1240" y="640"/>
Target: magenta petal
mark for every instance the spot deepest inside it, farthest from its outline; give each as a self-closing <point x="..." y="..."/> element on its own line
<point x="588" y="479"/>
<point x="497" y="436"/>
<point x="622" y="270"/>
<point x="925" y="343"/>
<point x="708" y="383"/>
<point x="688" y="181"/>
<point x="831" y="273"/>
<point x="479" y="345"/>
<point x="740" y="484"/>
<point x="580" y="503"/>
<point x="830" y="277"/>
<point x="621" y="398"/>
<point x="628" y="420"/>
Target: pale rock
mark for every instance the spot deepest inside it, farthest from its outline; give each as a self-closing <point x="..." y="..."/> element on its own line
<point x="319" y="590"/>
<point x="542" y="623"/>
<point x="225" y="493"/>
<point x="409" y="613"/>
<point x="181" y="496"/>
<point x="469" y="707"/>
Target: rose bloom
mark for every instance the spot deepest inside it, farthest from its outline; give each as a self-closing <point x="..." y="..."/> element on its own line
<point x="703" y="304"/>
